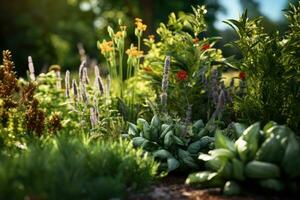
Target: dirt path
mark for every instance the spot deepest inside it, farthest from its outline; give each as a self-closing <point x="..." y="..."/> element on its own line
<point x="173" y="188"/>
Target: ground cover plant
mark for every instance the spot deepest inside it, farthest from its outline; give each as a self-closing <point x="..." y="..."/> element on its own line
<point x="74" y="168"/>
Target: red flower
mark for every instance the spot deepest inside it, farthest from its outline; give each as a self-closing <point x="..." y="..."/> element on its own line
<point x="205" y="47"/>
<point x="242" y="76"/>
<point x="181" y="75"/>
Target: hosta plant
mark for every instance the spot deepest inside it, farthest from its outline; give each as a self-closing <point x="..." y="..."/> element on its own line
<point x="267" y="158"/>
<point x="174" y="144"/>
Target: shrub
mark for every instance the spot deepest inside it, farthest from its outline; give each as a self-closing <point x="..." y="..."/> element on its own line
<point x="74" y="168"/>
<point x="271" y="66"/>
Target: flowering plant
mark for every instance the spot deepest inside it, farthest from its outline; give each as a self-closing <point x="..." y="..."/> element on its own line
<point x="269" y="71"/>
<point x="192" y="61"/>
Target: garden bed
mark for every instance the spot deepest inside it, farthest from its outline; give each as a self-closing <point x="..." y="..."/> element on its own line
<point x="174" y="188"/>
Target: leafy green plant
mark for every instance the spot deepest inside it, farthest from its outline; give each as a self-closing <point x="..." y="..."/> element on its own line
<point x="123" y="66"/>
<point x="271" y="67"/>
<point x="74" y="168"/>
<point x="173" y="143"/>
<point x="267" y="158"/>
<point x="193" y="63"/>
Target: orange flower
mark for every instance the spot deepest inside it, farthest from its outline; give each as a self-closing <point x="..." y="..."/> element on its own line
<point x="195" y="40"/>
<point x="106" y="47"/>
<point x="148" y="69"/>
<point x="151" y="38"/>
<point x="119" y="34"/>
<point x="139" y="24"/>
<point x="134" y="52"/>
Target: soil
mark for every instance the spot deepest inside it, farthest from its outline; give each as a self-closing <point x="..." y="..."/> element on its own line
<point x="173" y="188"/>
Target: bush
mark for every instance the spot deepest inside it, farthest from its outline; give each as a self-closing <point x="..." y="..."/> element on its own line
<point x="74" y="168"/>
<point x="271" y="66"/>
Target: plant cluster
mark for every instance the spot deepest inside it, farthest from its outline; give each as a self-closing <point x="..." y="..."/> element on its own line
<point x="194" y="77"/>
<point x="271" y="66"/>
<point x="174" y="144"/>
<point x="74" y="168"/>
<point x="268" y="158"/>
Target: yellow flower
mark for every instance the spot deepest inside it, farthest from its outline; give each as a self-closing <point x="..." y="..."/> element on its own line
<point x="139" y="24"/>
<point x="134" y="52"/>
<point x="123" y="28"/>
<point x="138" y="20"/>
<point x="106" y="47"/>
<point x="151" y="38"/>
<point x="119" y="34"/>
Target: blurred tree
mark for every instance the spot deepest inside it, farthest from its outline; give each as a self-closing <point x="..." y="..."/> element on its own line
<point x="49" y="30"/>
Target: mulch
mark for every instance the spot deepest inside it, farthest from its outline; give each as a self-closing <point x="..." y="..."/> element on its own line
<point x="173" y="188"/>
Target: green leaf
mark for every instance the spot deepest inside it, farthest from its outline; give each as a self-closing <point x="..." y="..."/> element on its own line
<point x="231" y="188"/>
<point x="132" y="129"/>
<point x="221" y="141"/>
<point x="239" y="129"/>
<point x="168" y="140"/>
<point x="138" y="141"/>
<point x="172" y="164"/>
<point x="222" y="153"/>
<point x="155" y="122"/>
<point x="162" y="154"/>
<point x="178" y="141"/>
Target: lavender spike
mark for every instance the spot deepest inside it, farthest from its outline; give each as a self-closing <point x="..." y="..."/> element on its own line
<point x="75" y="89"/>
<point x="84" y="94"/>
<point x="99" y="84"/>
<point x="67" y="83"/>
<point x="82" y="65"/>
<point x="31" y="68"/>
<point x="93" y="117"/>
<point x="58" y="79"/>
<point x="97" y="71"/>
<point x="85" y="77"/>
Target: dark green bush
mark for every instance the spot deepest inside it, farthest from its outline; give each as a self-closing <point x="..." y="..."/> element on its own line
<point x="271" y="64"/>
<point x="74" y="168"/>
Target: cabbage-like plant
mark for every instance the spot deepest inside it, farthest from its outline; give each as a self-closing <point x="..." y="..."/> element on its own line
<point x="174" y="144"/>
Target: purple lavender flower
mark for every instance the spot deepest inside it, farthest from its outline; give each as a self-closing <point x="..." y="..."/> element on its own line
<point x="165" y="83"/>
<point x="31" y="68"/>
<point x="93" y="117"/>
<point x="75" y="89"/>
<point x="82" y="65"/>
<point x="58" y="79"/>
<point x="67" y="83"/>
<point x="86" y="79"/>
<point x="99" y="84"/>
<point x="84" y="94"/>
<point x="97" y="71"/>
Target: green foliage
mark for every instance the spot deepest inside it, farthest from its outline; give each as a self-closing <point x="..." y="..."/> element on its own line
<point x="193" y="61"/>
<point x="271" y="64"/>
<point x="173" y="143"/>
<point x="267" y="158"/>
<point x="74" y="168"/>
